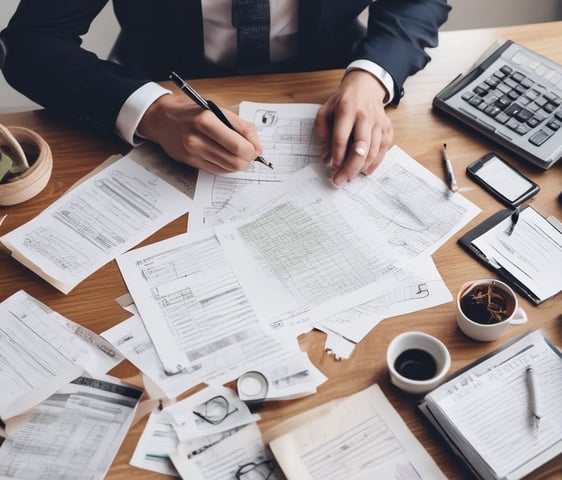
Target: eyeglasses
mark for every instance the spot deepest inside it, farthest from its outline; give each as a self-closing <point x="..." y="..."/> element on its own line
<point x="214" y="410"/>
<point x="255" y="471"/>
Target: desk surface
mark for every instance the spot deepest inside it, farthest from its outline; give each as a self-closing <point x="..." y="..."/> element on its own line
<point x="418" y="131"/>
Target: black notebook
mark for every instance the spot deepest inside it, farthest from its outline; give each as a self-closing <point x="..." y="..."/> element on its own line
<point x="527" y="255"/>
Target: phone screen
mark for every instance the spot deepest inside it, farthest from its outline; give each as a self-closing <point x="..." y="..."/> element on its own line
<point x="504" y="179"/>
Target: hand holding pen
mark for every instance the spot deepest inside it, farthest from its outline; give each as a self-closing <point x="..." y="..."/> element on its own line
<point x="196" y="137"/>
<point x="209" y="105"/>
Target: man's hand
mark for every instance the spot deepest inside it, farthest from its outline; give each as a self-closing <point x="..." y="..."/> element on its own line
<point x="353" y="128"/>
<point x="198" y="138"/>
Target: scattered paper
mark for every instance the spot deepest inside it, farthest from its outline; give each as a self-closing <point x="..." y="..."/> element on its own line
<point x="73" y="434"/>
<point x="244" y="449"/>
<point x="103" y="216"/>
<point x="42" y="351"/>
<point x="357" y="437"/>
<point x="158" y="441"/>
<point x="289" y="142"/>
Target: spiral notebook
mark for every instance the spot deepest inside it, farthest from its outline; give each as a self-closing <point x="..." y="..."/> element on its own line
<point x="485" y="412"/>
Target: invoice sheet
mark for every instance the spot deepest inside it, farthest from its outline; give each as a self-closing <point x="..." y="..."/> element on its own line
<point x="487" y="408"/>
<point x="357" y="437"/>
<point x="286" y="132"/>
<point x="532" y="253"/>
<point x="308" y="252"/>
<point x="195" y="310"/>
<point x="103" y="216"/>
<point x="403" y="203"/>
<point x="131" y="338"/>
<point x="74" y="434"/>
<point x="423" y="289"/>
<point x="222" y="460"/>
<point x="40" y="351"/>
<point x="157" y="442"/>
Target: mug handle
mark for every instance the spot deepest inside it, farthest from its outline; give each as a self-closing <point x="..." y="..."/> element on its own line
<point x="519" y="317"/>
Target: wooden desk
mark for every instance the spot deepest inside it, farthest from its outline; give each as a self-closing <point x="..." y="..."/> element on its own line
<point x="418" y="131"/>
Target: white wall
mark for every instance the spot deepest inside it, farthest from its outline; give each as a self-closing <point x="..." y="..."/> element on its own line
<point x="465" y="14"/>
<point x="497" y="13"/>
<point x="100" y="39"/>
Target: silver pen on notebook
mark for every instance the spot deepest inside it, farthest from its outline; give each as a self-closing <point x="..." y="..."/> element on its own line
<point x="534" y="395"/>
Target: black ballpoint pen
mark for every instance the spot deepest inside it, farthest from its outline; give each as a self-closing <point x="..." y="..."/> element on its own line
<point x="514" y="219"/>
<point x="208" y="105"/>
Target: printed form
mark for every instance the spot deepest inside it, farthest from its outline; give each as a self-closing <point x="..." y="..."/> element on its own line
<point x="302" y="228"/>
<point x="41" y="351"/>
<point x="425" y="289"/>
<point x="532" y="253"/>
<point x="73" y="434"/>
<point x="358" y="437"/>
<point x="300" y="254"/>
<point x="307" y="252"/>
<point x="401" y="201"/>
<point x="195" y="310"/>
<point x="105" y="215"/>
<point x="224" y="459"/>
<point x="286" y="132"/>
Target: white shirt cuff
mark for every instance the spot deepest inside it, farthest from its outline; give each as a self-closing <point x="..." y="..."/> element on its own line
<point x="134" y="108"/>
<point x="380" y="73"/>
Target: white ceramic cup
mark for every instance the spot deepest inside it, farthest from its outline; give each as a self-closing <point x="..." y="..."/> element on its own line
<point x="420" y="341"/>
<point x="488" y="332"/>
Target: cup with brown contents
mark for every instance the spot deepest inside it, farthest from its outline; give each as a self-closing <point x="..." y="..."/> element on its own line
<point x="485" y="308"/>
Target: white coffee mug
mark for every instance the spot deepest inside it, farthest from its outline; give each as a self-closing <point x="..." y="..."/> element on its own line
<point x="408" y="341"/>
<point x="488" y="332"/>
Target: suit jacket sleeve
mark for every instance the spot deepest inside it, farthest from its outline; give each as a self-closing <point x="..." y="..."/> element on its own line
<point x="398" y="33"/>
<point x="45" y="62"/>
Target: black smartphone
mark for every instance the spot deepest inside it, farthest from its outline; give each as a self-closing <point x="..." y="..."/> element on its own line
<point x="502" y="180"/>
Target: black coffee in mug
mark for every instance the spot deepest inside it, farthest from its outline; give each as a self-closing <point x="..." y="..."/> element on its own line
<point x="416" y="364"/>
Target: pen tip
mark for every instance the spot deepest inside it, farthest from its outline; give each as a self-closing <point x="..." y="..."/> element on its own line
<point x="263" y="161"/>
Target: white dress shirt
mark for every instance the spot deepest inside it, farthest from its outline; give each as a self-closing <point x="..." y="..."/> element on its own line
<point x="220" y="49"/>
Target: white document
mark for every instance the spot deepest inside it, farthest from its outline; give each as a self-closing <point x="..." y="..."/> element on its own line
<point x="286" y="132"/>
<point x="425" y="289"/>
<point x="41" y="351"/>
<point x="224" y="459"/>
<point x="308" y="252"/>
<point x="74" y="434"/>
<point x="358" y="437"/>
<point x="194" y="309"/>
<point x="132" y="340"/>
<point x="402" y="202"/>
<point x="105" y="215"/>
<point x="293" y="377"/>
<point x="486" y="410"/>
<point x="532" y="253"/>
<point x="209" y="411"/>
<point x="158" y="441"/>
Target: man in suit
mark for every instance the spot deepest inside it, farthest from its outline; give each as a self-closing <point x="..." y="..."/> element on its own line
<point x="197" y="38"/>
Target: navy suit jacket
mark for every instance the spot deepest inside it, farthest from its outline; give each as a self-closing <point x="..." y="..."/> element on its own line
<point x="46" y="63"/>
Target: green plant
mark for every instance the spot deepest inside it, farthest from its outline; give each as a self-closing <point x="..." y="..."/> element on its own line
<point x="13" y="160"/>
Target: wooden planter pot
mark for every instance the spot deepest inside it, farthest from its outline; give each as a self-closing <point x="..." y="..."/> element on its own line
<point x="29" y="183"/>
